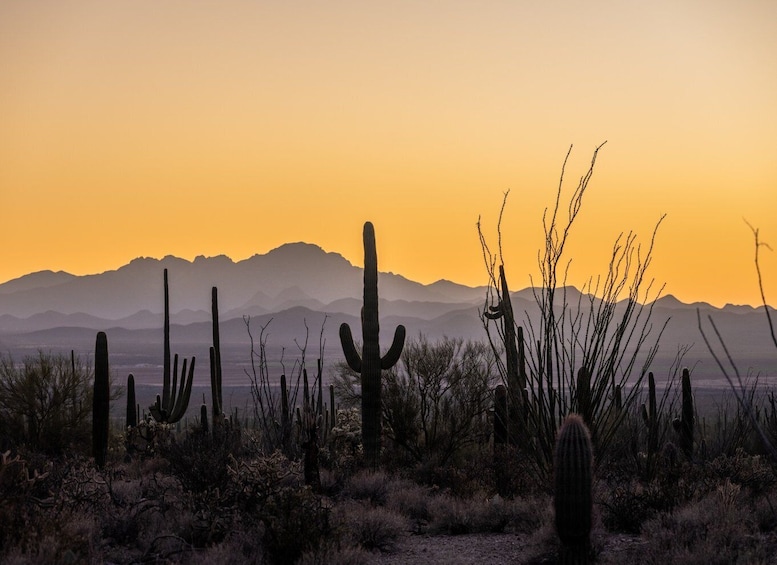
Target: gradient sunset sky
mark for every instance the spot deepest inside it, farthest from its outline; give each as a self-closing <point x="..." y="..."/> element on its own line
<point x="148" y="128"/>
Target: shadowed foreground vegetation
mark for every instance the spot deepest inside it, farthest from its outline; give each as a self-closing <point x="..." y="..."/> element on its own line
<point x="216" y="496"/>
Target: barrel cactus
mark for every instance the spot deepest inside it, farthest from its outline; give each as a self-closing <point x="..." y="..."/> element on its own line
<point x="573" y="502"/>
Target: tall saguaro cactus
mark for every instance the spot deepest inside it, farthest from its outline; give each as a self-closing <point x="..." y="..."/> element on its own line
<point x="100" y="401"/>
<point x="170" y="407"/>
<point x="515" y="359"/>
<point x="132" y="413"/>
<point x="215" y="361"/>
<point x="572" y="500"/>
<point x="370" y="363"/>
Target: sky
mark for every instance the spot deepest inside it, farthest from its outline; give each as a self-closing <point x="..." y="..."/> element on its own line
<point x="188" y="128"/>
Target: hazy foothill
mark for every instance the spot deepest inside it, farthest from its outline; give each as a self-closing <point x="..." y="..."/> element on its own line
<point x="294" y="408"/>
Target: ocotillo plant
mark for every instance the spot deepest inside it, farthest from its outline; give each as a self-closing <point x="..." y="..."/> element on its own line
<point x="100" y="401"/>
<point x="370" y="363"/>
<point x="215" y="362"/>
<point x="684" y="424"/>
<point x="573" y="502"/>
<point x="170" y="407"/>
<point x="132" y="411"/>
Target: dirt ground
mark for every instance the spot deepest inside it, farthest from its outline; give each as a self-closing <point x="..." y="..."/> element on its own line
<point x="492" y="549"/>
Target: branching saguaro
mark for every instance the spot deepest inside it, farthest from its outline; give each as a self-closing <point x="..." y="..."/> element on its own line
<point x="171" y="405"/>
<point x="370" y="363"/>
<point x="581" y="353"/>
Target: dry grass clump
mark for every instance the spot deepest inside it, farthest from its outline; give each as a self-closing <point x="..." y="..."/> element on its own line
<point x="370" y="486"/>
<point x="347" y="555"/>
<point x="718" y="529"/>
<point x="370" y="527"/>
<point x="412" y="501"/>
<point x="481" y="514"/>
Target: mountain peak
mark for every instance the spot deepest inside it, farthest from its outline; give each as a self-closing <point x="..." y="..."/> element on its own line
<point x="301" y="251"/>
<point x="39" y="279"/>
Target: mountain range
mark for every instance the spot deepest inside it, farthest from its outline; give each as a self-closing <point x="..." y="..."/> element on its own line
<point x="287" y="290"/>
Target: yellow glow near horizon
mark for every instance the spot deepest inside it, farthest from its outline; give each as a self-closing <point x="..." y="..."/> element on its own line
<point x="148" y="129"/>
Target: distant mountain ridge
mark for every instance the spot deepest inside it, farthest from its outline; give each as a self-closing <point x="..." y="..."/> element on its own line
<point x="293" y="274"/>
<point x="295" y="286"/>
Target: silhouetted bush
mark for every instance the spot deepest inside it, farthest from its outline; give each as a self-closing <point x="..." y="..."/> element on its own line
<point x="200" y="459"/>
<point x="46" y="403"/>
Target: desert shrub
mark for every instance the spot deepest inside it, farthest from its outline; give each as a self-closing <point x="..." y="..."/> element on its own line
<point x="343" y="451"/>
<point x="457" y="516"/>
<point x="239" y="547"/>
<point x="627" y="507"/>
<point x="717" y="529"/>
<point x="749" y="471"/>
<point x="511" y="472"/>
<point x="46" y="403"/>
<point x="370" y="486"/>
<point x="370" y="527"/>
<point x="435" y="404"/>
<point x="411" y="501"/>
<point x="200" y="458"/>
<point x="295" y="521"/>
<point x="253" y="481"/>
<point x="464" y="481"/>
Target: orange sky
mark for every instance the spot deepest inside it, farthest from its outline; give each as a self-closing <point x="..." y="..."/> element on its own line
<point x="149" y="128"/>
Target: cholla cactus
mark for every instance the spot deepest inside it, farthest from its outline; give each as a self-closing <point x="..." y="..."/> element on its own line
<point x="16" y="483"/>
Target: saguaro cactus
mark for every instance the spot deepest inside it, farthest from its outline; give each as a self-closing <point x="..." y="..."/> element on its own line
<point x="370" y="363"/>
<point x="684" y="424"/>
<point x="132" y="412"/>
<point x="169" y="408"/>
<point x="572" y="500"/>
<point x="650" y="416"/>
<point x="500" y="415"/>
<point x="100" y="401"/>
<point x="515" y="358"/>
<point x="215" y="361"/>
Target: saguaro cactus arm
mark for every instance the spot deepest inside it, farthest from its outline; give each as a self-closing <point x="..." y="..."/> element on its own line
<point x="395" y="351"/>
<point x="184" y="392"/>
<point x="352" y="356"/>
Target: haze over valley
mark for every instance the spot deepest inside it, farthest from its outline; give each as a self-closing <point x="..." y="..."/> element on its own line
<point x="287" y="289"/>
